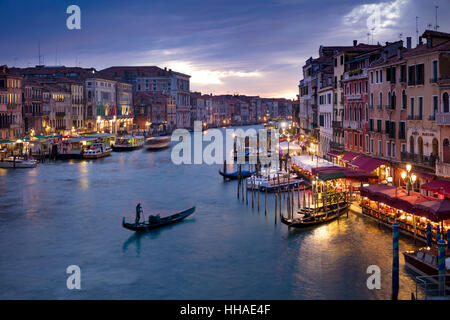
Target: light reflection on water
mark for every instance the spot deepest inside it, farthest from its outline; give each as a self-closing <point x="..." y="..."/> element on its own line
<point x="64" y="213"/>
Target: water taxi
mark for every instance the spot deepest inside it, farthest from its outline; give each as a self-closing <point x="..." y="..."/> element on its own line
<point x="128" y="143"/>
<point x="157" y="143"/>
<point x="97" y="150"/>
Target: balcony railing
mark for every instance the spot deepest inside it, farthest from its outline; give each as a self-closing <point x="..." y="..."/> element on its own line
<point x="443" y="169"/>
<point x="60" y="114"/>
<point x="442" y="118"/>
<point x="428" y="161"/>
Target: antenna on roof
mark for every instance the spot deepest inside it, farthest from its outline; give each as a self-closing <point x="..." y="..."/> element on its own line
<point x="373" y="30"/>
<point x="436" y="27"/>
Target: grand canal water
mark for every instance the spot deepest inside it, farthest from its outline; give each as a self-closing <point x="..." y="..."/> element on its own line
<point x="69" y="213"/>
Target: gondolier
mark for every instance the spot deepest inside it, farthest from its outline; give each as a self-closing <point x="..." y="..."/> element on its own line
<point x="138" y="213"/>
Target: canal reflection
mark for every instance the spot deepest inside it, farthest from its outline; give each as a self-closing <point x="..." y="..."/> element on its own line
<point x="70" y="212"/>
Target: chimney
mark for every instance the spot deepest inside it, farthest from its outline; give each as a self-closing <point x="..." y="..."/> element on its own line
<point x="355" y="42"/>
<point x="408" y="43"/>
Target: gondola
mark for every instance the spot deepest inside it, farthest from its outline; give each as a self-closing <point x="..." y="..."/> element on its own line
<point x="310" y="219"/>
<point x="157" y="222"/>
<point x="235" y="175"/>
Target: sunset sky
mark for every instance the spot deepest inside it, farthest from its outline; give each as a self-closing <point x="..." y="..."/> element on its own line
<point x="253" y="47"/>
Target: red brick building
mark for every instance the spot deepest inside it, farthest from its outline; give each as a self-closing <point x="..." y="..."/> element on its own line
<point x="11" y="92"/>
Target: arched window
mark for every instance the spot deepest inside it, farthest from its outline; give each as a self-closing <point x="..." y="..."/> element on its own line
<point x="388" y="100"/>
<point x="411" y="145"/>
<point x="435" y="152"/>
<point x="446" y="151"/>
<point x="420" y="145"/>
<point x="445" y="102"/>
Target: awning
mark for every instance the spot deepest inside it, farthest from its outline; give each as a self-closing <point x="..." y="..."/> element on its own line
<point x="437" y="185"/>
<point x="334" y="154"/>
<point x="436" y="210"/>
<point x="349" y="156"/>
<point x="6" y="141"/>
<point x="371" y="164"/>
<point x="330" y="173"/>
<point x="397" y="198"/>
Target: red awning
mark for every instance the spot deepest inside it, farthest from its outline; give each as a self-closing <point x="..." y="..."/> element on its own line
<point x="349" y="156"/>
<point x="367" y="164"/>
<point x="435" y="210"/>
<point x="437" y="185"/>
<point x="398" y="199"/>
<point x="334" y="154"/>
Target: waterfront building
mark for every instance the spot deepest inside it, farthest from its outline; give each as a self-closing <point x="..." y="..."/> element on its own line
<point x="326" y="102"/>
<point x="155" y="79"/>
<point x="356" y="101"/>
<point x="32" y="107"/>
<point x="57" y="107"/>
<point x="124" y="102"/>
<point x="154" y="111"/>
<point x="430" y="141"/>
<point x="341" y="56"/>
<point x="100" y="104"/>
<point x="11" y="93"/>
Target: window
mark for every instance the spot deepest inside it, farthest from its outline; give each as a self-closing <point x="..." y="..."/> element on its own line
<point x="402" y="130"/>
<point x="380" y="103"/>
<point x="404" y="99"/>
<point x="371" y="145"/>
<point x="367" y="113"/>
<point x="379" y="125"/>
<point x="420" y="73"/>
<point x="376" y="73"/>
<point x="393" y="149"/>
<point x="435" y="106"/>
<point x="403" y="73"/>
<point x="445" y="102"/>
<point x="381" y="76"/>
<point x="380" y="151"/>
<point x="360" y="141"/>
<point x="367" y="143"/>
<point x="420" y="108"/>
<point x="342" y="60"/>
<point x="355" y="140"/>
<point x="435" y="71"/>
<point x="388" y="149"/>
<point x="371" y="77"/>
<point x="411" y="75"/>
<point x="411" y="107"/>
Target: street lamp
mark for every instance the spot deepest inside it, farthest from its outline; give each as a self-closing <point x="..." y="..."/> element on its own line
<point x="288" y="141"/>
<point x="409" y="178"/>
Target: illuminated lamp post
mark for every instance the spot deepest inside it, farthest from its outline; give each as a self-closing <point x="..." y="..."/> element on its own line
<point x="409" y="178"/>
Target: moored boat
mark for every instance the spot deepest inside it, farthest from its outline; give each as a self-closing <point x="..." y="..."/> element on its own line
<point x="157" y="222"/>
<point x="235" y="175"/>
<point x="157" y="143"/>
<point x="129" y="143"/>
<point x="12" y="162"/>
<point x="272" y="181"/>
<point x="97" y="150"/>
<point x="424" y="261"/>
<point x="310" y="218"/>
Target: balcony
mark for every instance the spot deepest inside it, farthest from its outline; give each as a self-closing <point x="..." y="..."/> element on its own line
<point x="12" y="105"/>
<point x="353" y="96"/>
<point x="443" y="169"/>
<point x="442" y="118"/>
<point x="60" y="114"/>
<point x="426" y="161"/>
<point x="379" y="107"/>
